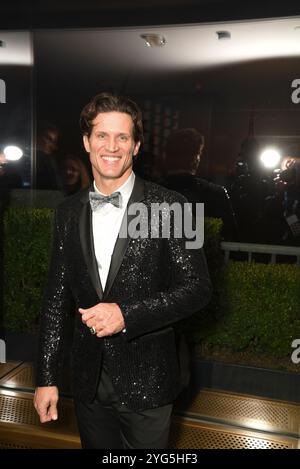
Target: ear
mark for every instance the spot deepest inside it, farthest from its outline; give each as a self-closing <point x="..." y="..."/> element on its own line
<point x="86" y="143"/>
<point x="136" y="148"/>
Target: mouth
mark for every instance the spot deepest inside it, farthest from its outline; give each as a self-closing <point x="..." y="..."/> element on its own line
<point x="111" y="159"/>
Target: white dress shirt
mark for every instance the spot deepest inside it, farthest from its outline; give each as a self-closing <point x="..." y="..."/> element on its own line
<point x="106" y="226"/>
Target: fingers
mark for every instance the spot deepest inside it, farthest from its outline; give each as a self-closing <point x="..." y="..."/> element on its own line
<point x="52" y="411"/>
<point x="104" y="332"/>
<point x="104" y="328"/>
<point x="96" y="322"/>
<point x="106" y="319"/>
<point x="47" y="413"/>
<point x="45" y="403"/>
<point x="86" y="315"/>
<point x="42" y="410"/>
<point x="108" y="329"/>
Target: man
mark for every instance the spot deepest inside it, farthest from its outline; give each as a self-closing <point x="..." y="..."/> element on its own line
<point x="182" y="158"/>
<point x="128" y="293"/>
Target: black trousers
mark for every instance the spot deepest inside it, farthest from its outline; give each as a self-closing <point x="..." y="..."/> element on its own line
<point x="106" y="424"/>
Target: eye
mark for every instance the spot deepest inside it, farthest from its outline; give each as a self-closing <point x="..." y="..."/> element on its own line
<point x="123" y="138"/>
<point x="101" y="136"/>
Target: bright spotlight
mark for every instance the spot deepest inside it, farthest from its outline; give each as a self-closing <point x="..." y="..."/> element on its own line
<point x="270" y="158"/>
<point x="13" y="153"/>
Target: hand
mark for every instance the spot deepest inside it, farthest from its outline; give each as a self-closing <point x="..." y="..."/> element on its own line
<point x="106" y="318"/>
<point x="45" y="403"/>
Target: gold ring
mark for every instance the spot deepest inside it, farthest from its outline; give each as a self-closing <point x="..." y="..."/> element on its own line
<point x="93" y="330"/>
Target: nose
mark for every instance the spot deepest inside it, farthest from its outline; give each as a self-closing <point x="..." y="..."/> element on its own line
<point x="112" y="145"/>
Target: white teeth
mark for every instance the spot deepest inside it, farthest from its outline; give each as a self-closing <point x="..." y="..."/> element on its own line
<point x="110" y="158"/>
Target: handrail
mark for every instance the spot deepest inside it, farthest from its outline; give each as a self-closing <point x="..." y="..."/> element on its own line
<point x="250" y="248"/>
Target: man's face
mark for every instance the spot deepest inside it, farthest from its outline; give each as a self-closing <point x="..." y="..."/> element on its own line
<point x="111" y="146"/>
<point x="49" y="141"/>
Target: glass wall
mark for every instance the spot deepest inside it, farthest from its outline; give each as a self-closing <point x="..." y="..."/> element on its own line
<point x="16" y="109"/>
<point x="238" y="84"/>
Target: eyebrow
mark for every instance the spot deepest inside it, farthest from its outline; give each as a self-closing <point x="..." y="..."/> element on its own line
<point x="106" y="133"/>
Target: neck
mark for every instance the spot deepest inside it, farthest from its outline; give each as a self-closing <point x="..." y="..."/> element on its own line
<point x="109" y="185"/>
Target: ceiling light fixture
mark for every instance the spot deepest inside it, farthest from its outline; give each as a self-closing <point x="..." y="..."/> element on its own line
<point x="154" y="40"/>
<point x="223" y="35"/>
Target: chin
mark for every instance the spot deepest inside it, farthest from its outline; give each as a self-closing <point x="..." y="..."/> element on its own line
<point x="111" y="175"/>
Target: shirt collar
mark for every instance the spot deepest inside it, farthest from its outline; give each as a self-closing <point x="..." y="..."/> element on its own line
<point x="125" y="189"/>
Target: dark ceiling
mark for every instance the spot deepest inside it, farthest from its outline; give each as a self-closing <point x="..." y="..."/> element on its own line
<point x="31" y="14"/>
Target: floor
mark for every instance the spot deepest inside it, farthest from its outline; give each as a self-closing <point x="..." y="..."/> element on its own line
<point x="209" y="419"/>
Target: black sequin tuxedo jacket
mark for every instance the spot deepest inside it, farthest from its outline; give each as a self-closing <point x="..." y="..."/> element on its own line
<point x="156" y="282"/>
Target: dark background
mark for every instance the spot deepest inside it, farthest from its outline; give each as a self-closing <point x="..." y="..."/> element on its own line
<point x="218" y="101"/>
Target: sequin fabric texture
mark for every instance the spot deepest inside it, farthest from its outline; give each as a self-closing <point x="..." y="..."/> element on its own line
<point x="155" y="281"/>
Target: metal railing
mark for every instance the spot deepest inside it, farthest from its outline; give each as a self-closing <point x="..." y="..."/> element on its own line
<point x="250" y="248"/>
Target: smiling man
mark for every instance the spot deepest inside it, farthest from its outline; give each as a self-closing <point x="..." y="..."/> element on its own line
<point x="128" y="293"/>
<point x="111" y="146"/>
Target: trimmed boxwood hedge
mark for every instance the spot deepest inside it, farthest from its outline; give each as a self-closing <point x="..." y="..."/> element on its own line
<point x="255" y="307"/>
<point x="27" y="243"/>
<point x="258" y="310"/>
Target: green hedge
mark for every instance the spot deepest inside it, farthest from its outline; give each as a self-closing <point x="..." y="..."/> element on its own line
<point x="254" y="308"/>
<point x="258" y="310"/>
<point x="27" y="242"/>
<point x="212" y="242"/>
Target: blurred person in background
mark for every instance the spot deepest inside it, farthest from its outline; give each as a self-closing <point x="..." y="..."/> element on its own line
<point x="279" y="222"/>
<point x="182" y="157"/>
<point x="74" y="174"/>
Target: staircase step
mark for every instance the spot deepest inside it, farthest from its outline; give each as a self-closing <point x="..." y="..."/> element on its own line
<point x="20" y="426"/>
<point x="193" y="434"/>
<point x="208" y="419"/>
<point x="251" y="412"/>
<point x="6" y="368"/>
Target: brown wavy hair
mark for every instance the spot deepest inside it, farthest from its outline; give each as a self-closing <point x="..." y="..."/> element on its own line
<point x="108" y="102"/>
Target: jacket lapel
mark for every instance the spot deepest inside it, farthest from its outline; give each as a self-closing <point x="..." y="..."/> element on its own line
<point x="87" y="242"/>
<point x="137" y="195"/>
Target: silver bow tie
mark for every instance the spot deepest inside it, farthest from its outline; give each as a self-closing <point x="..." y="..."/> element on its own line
<point x="97" y="200"/>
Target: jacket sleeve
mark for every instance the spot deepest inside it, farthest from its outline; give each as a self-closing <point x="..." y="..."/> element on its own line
<point x="54" y="313"/>
<point x="188" y="292"/>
